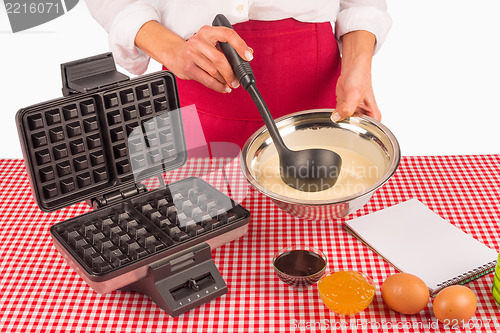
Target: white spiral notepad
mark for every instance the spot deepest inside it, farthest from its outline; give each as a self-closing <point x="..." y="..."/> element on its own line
<point x="416" y="240"/>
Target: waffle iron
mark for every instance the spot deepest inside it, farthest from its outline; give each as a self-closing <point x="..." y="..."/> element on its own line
<point x="99" y="144"/>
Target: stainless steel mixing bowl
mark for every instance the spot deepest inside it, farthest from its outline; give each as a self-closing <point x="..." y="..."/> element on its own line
<point x="363" y="135"/>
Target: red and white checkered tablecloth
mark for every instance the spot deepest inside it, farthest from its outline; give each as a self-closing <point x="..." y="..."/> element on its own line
<point x="40" y="292"/>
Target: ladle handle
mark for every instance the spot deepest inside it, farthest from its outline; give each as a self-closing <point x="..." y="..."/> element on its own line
<point x="245" y="76"/>
<point x="268" y="119"/>
<point x="241" y="68"/>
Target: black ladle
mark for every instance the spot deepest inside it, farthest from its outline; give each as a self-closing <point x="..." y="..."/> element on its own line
<point x="308" y="170"/>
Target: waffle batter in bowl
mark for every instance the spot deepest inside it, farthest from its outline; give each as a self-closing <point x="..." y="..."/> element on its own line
<point x="370" y="155"/>
<point x="357" y="174"/>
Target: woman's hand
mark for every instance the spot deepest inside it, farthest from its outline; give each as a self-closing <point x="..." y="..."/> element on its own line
<point x="354" y="88"/>
<point x="198" y="58"/>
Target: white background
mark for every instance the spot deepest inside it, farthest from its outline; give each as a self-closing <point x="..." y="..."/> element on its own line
<point x="436" y="79"/>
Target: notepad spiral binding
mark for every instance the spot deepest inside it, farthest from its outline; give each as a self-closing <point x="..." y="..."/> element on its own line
<point x="467" y="277"/>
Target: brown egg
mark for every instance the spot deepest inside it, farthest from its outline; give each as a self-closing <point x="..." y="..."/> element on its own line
<point x="405" y="293"/>
<point x="455" y="305"/>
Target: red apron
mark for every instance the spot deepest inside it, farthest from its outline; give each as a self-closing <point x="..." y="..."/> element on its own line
<point x="296" y="68"/>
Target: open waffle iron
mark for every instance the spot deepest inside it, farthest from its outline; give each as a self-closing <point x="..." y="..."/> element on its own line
<point x="97" y="144"/>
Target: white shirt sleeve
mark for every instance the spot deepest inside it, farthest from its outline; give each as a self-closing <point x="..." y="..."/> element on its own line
<point x="122" y="19"/>
<point x="369" y="15"/>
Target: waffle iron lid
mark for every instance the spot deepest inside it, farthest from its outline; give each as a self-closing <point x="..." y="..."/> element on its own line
<point x="107" y="134"/>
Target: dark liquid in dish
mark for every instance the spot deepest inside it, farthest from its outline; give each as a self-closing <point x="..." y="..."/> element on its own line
<point x="299" y="263"/>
